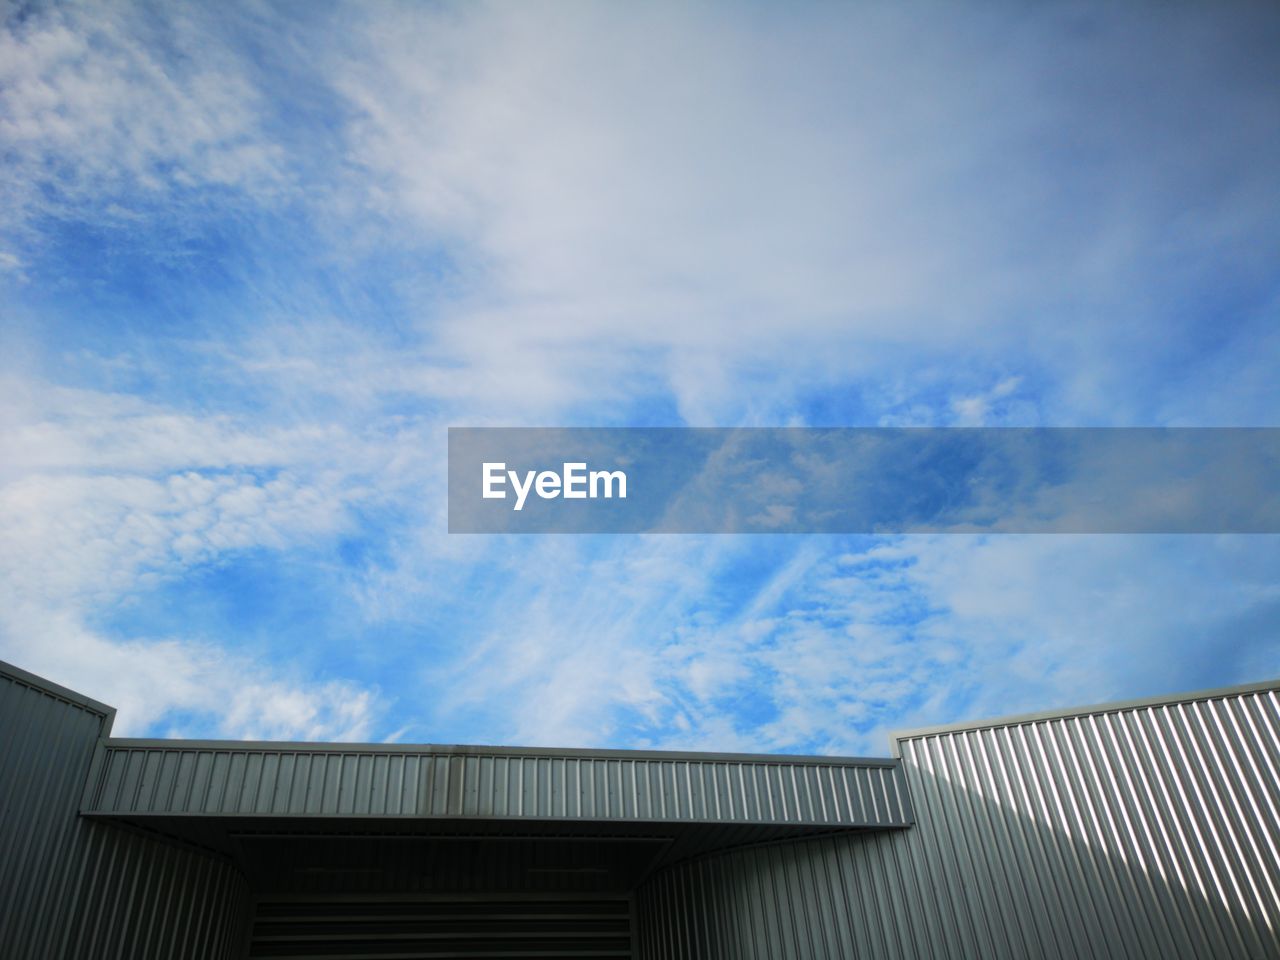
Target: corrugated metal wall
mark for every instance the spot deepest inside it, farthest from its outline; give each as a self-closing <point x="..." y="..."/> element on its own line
<point x="1145" y="831"/>
<point x="154" y="777"/>
<point x="1148" y="830"/>
<point x="74" y="889"/>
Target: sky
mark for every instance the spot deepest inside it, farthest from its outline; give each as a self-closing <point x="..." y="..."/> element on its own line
<point x="256" y="258"/>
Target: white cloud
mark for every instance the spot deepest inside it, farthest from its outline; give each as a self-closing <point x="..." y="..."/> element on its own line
<point x="814" y="193"/>
<point x="99" y="101"/>
<point x="659" y="208"/>
<point x="653" y="643"/>
<point x="1064" y="620"/>
<point x="166" y="684"/>
<point x="978" y="409"/>
<point x="729" y="208"/>
<point x="101" y="488"/>
<point x="106" y="496"/>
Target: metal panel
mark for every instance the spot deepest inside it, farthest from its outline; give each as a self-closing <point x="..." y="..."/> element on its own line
<point x="156" y="777"/>
<point x="1148" y="829"/>
<point x="74" y="889"/>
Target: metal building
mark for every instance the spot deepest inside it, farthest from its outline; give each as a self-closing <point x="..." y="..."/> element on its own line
<point x="1142" y="829"/>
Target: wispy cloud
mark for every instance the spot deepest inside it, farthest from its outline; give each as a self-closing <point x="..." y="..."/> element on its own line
<point x="710" y="647"/>
<point x="107" y="497"/>
<point x="254" y="260"/>
<point x="823" y="190"/>
<point x="176" y="686"/>
<point x="107" y="105"/>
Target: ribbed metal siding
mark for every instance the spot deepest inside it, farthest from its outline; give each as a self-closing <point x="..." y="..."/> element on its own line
<point x="229" y="780"/>
<point x="816" y="898"/>
<point x="1144" y="832"/>
<point x="74" y="889"/>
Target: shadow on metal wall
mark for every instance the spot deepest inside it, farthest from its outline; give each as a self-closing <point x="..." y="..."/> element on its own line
<point x="976" y="878"/>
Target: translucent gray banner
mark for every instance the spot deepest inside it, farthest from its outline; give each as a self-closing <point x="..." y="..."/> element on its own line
<point x="864" y="480"/>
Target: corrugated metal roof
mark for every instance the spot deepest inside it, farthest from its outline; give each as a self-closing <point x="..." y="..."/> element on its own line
<point x="236" y="779"/>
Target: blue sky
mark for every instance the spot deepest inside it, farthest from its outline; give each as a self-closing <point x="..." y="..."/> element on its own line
<point x="256" y="258"/>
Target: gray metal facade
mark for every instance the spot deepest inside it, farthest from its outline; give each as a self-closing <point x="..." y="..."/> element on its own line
<point x="1147" y="829"/>
<point x="141" y="777"/>
<point x="1142" y="830"/>
<point x="78" y="889"/>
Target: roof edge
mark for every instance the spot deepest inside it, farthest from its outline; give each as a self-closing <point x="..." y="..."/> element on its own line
<point x="1114" y="706"/>
<point x="471" y="750"/>
<point x="108" y="713"/>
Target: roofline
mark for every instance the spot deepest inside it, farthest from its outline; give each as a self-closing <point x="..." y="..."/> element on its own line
<point x="425" y="819"/>
<point x="471" y="750"/>
<point x="108" y="713"/>
<point x="1115" y="706"/>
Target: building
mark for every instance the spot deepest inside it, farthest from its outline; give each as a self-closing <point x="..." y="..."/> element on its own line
<point x="1141" y="829"/>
